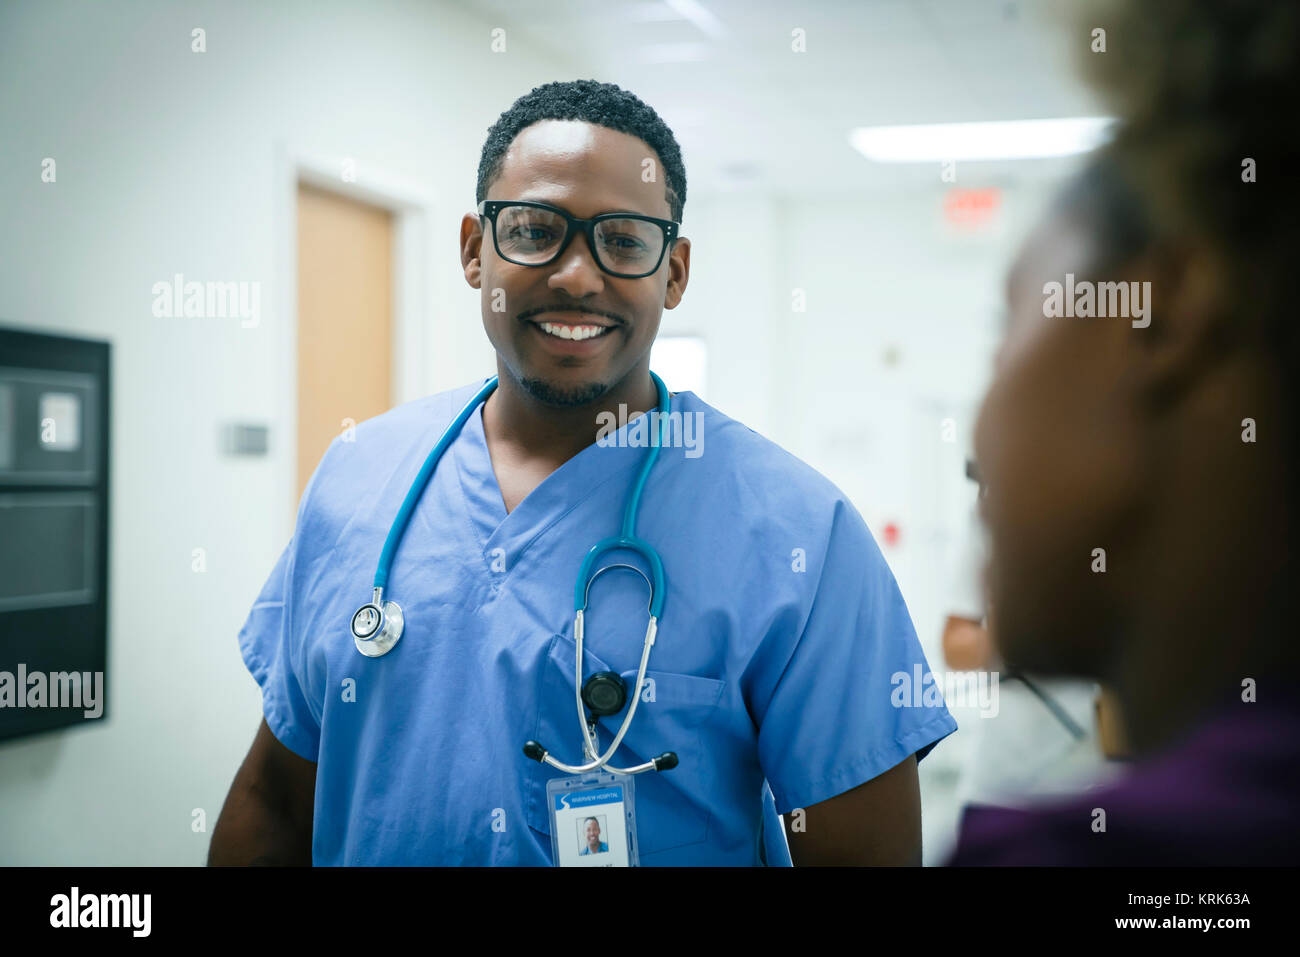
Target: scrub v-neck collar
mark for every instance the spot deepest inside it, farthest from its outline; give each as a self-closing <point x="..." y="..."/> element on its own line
<point x="558" y="494"/>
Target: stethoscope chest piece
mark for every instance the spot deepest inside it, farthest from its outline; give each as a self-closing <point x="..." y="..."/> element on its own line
<point x="377" y="626"/>
<point x="604" y="693"/>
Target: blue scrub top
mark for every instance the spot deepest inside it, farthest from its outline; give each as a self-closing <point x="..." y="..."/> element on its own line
<point x="781" y="631"/>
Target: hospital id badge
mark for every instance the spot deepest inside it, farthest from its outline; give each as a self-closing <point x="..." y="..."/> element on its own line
<point x="593" y="820"/>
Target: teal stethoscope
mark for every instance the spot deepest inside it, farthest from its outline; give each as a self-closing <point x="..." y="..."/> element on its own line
<point x="378" y="624"/>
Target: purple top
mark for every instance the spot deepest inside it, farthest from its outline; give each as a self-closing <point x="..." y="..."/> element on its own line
<point x="1227" y="794"/>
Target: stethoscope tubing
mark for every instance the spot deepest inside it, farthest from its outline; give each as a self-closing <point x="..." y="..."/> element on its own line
<point x="416" y="490"/>
<point x="626" y="539"/>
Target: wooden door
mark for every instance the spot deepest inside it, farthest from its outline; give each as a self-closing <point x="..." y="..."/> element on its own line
<point x="345" y="321"/>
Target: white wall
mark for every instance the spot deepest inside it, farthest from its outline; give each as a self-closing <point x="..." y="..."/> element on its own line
<point x="167" y="162"/>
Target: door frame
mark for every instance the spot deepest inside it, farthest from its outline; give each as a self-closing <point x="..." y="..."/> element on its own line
<point x="412" y="207"/>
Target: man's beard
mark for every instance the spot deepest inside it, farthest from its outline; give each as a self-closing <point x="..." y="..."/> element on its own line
<point x="549" y="394"/>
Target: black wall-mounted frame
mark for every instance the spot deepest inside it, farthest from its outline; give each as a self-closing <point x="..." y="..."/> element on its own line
<point x="54" y="519"/>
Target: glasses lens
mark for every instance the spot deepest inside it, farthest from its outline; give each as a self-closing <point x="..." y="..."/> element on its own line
<point x="628" y="245"/>
<point x="528" y="235"/>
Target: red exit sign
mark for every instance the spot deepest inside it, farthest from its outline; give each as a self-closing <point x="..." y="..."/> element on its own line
<point x="971" y="208"/>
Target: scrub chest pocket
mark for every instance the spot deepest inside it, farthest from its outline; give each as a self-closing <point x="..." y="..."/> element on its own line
<point x="672" y="716"/>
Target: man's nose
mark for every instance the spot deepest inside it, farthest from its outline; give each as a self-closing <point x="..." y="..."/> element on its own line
<point x="576" y="272"/>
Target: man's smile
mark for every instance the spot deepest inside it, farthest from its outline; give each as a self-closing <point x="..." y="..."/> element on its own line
<point x="577" y="333"/>
<point x="572" y="332"/>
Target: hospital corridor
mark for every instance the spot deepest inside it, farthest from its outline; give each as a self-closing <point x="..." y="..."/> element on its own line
<point x="499" y="434"/>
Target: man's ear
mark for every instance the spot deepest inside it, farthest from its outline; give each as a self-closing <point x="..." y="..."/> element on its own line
<point x="679" y="272"/>
<point x="471" y="248"/>
<point x="1190" y="321"/>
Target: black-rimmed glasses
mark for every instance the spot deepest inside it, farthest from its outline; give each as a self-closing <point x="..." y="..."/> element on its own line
<point x="625" y="245"/>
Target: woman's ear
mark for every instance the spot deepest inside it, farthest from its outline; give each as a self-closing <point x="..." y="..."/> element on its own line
<point x="1189" y="323"/>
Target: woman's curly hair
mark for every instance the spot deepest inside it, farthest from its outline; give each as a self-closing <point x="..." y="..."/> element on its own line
<point x="1204" y="88"/>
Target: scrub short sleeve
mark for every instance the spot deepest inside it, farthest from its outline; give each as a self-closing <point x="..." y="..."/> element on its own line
<point x="831" y="722"/>
<point x="274" y="654"/>
<point x="268" y="649"/>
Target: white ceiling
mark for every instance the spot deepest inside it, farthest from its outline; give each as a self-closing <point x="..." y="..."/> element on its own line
<point x="751" y="114"/>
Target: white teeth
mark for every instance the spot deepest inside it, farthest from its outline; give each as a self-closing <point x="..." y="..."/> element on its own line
<point x="572" y="332"/>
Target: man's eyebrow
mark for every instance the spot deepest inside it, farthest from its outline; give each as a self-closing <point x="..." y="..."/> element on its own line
<point x="545" y="202"/>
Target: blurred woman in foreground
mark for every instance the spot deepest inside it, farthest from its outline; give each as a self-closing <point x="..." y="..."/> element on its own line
<point x="1143" y="468"/>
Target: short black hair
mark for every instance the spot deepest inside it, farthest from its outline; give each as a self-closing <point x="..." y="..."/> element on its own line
<point x="602" y="104"/>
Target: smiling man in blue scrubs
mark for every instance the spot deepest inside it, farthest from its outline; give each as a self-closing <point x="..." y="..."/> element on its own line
<point x="773" y="674"/>
<point x="594" y="845"/>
